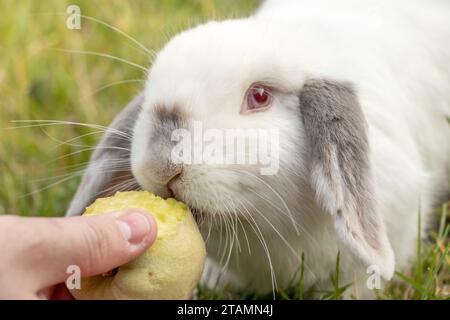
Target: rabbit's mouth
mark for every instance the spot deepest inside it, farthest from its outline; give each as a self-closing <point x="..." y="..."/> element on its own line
<point x="197" y="214"/>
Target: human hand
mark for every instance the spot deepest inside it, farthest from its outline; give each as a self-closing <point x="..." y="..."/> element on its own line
<point x="36" y="252"/>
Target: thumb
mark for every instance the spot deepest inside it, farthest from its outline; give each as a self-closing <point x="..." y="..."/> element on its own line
<point x="95" y="244"/>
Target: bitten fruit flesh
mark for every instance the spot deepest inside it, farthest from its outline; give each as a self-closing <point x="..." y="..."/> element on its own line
<point x="169" y="269"/>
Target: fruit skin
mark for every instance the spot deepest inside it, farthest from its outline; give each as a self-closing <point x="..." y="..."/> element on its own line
<point x="170" y="269"/>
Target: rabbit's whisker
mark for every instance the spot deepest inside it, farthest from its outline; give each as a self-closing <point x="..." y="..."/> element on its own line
<point x="285" y="241"/>
<point x="231" y="235"/>
<point x="149" y="52"/>
<point x="236" y="226"/>
<point x="48" y="186"/>
<point x="108" y="163"/>
<point x="103" y="55"/>
<point x="254" y="225"/>
<point x="125" y="185"/>
<point x="244" y="231"/>
<point x="276" y="194"/>
<point x="227" y="238"/>
<point x="67" y="142"/>
<point x="276" y="207"/>
<point x="115" y="83"/>
<point x="88" y="149"/>
<point x="45" y="123"/>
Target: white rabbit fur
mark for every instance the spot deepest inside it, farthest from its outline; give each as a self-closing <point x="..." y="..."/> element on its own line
<point x="395" y="54"/>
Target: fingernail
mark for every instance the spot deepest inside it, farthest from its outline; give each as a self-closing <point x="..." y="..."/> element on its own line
<point x="135" y="226"/>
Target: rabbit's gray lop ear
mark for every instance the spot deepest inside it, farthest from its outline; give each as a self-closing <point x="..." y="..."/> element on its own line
<point x="109" y="169"/>
<point x="336" y="133"/>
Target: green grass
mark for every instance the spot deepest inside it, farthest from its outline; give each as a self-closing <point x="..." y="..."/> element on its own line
<point x="37" y="82"/>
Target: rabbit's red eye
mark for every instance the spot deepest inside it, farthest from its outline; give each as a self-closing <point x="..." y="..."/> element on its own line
<point x="260" y="95"/>
<point x="258" y="99"/>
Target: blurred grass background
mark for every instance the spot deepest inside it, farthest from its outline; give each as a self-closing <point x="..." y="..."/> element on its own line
<point x="38" y="82"/>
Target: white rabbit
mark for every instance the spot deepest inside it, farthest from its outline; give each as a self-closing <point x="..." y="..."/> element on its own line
<point x="360" y="94"/>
